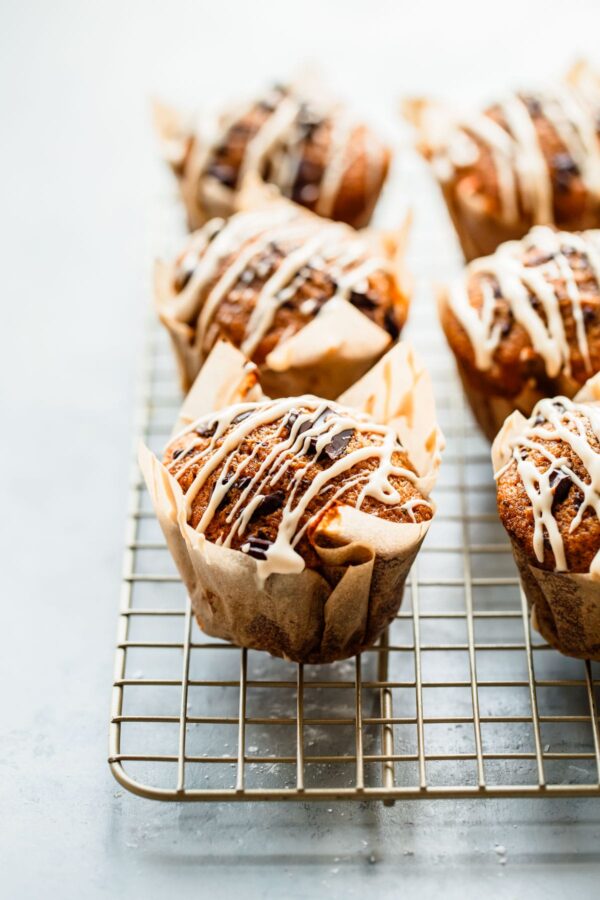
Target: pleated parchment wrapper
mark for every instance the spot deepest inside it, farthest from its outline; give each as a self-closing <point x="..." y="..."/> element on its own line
<point x="324" y="357"/>
<point x="311" y="617"/>
<point x="565" y="607"/>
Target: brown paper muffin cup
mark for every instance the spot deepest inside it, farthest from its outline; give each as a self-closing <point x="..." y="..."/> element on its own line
<point x="314" y="616"/>
<point x="565" y="608"/>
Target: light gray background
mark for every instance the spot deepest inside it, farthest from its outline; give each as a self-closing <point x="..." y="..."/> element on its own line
<point x="77" y="170"/>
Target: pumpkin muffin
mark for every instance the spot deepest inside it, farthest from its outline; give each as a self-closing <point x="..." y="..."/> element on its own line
<point x="294" y="522"/>
<point x="313" y="303"/>
<point x="548" y="481"/>
<point x="312" y="151"/>
<point x="524" y="323"/>
<point x="532" y="158"/>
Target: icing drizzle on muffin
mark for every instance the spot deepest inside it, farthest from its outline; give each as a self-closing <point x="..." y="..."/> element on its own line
<point x="529" y="283"/>
<point x="304" y="428"/>
<point x="290" y="121"/>
<point x="557" y="419"/>
<point x="238" y="251"/>
<point x="526" y="179"/>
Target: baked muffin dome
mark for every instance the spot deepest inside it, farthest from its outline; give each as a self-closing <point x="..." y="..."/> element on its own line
<point x="549" y="490"/>
<point x="259" y="277"/>
<point x="313" y="153"/>
<point x="531" y="158"/>
<point x="525" y="322"/>
<point x="548" y="478"/>
<point x="258" y="477"/>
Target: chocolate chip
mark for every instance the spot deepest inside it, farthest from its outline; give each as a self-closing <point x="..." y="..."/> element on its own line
<point x="241" y="417"/>
<point x="225" y="174"/>
<point x="534" y="107"/>
<point x="256" y="547"/>
<point x="561" y="484"/>
<point x="565" y="168"/>
<point x="178" y="452"/>
<point x="268" y="505"/>
<point x="362" y="301"/>
<point x="589" y="314"/>
<point x="505" y="327"/>
<point x="337" y="445"/>
<point x="564" y="162"/>
<point x="391" y="326"/>
<point x="539" y="420"/>
<point x="559" y="406"/>
<point x="243" y="483"/>
<point x="320" y="418"/>
<point x="206" y="430"/>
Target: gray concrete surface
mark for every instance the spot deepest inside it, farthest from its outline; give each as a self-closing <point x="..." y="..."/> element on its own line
<point x="76" y="152"/>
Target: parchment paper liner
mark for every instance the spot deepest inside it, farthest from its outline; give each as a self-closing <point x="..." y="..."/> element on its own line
<point x="330" y="353"/>
<point x="491" y="410"/>
<point x="565" y="606"/>
<point x="312" y="616"/>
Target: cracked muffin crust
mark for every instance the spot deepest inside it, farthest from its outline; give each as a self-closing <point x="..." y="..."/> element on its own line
<point x="525" y="322"/>
<point x="259" y="477"/>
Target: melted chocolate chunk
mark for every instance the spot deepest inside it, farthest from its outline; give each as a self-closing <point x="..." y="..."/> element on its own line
<point x="534" y="107"/>
<point x="337" y="445"/>
<point x="241" y="417"/>
<point x="539" y="420"/>
<point x="268" y="505"/>
<point x="565" y="168"/>
<point x="225" y="174"/>
<point x="256" y="546"/>
<point x="589" y="314"/>
<point x="177" y="453"/>
<point x="391" y="326"/>
<point x="206" y="430"/>
<point x="561" y="484"/>
<point x="362" y="301"/>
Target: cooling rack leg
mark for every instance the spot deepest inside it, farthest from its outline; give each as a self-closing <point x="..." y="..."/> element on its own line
<point x="387" y="730"/>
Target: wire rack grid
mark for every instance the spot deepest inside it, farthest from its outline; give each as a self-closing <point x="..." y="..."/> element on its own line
<point x="459" y="699"/>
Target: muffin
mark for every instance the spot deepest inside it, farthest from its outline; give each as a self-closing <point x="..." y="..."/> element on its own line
<point x="294" y="521"/>
<point x="548" y="481"/>
<point x="530" y="159"/>
<point x="313" y="303"/>
<point x="311" y="150"/>
<point x="524" y="323"/>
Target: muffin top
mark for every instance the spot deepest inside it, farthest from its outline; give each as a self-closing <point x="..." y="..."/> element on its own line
<point x="534" y="155"/>
<point x="259" y="477"/>
<point x="258" y="277"/>
<point x="530" y="312"/>
<point x="549" y="489"/>
<point x="312" y="152"/>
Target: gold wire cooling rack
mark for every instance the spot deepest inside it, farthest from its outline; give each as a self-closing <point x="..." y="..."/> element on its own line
<point x="460" y="699"/>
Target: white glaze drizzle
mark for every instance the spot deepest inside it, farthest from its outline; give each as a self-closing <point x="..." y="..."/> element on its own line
<point x="565" y="421"/>
<point x="279" y="142"/>
<point x="328" y="246"/>
<point x="521" y="168"/>
<point x="316" y="424"/>
<point x="517" y="283"/>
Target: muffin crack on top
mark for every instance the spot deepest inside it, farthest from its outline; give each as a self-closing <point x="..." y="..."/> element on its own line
<point x="259" y="477"/>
